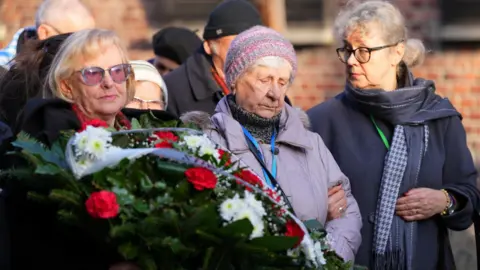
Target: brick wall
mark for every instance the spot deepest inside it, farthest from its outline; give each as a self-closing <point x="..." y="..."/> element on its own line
<point x="320" y="73"/>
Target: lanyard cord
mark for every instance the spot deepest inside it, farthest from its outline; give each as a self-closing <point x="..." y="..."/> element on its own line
<point x="269" y="178"/>
<point x="259" y="152"/>
<point x="380" y="132"/>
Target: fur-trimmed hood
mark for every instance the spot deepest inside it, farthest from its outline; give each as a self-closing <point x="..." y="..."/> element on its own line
<point x="203" y="119"/>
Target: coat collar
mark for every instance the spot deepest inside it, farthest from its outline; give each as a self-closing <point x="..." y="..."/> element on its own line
<point x="198" y="68"/>
<point x="292" y="131"/>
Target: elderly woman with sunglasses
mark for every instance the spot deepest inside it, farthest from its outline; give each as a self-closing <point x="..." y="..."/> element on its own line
<point x="402" y="146"/>
<point x="270" y="137"/>
<point x="91" y="79"/>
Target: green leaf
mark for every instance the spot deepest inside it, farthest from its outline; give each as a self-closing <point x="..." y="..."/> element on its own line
<point x="174" y="244"/>
<point x="170" y="216"/>
<point x="145" y="182"/>
<point x="141" y="206"/>
<point x="275" y="243"/>
<point x="33" y="146"/>
<point x="66" y="196"/>
<point x="48" y="169"/>
<point x="147" y="263"/>
<point x="34" y="196"/>
<point x="182" y="191"/>
<point x="240" y="228"/>
<point x="171" y="170"/>
<point x="205" y="216"/>
<point x="123" y="196"/>
<point x="20" y="173"/>
<point x="68" y="217"/>
<point x="122" y="230"/>
<point x="128" y="251"/>
<point x="313" y="225"/>
<point x="209" y="237"/>
<point x="121" y="140"/>
<point x="164" y="200"/>
<point x="159" y="185"/>
<point x="135" y="124"/>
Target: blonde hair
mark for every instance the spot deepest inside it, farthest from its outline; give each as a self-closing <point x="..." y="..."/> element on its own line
<point x="86" y="44"/>
<point x="358" y="16"/>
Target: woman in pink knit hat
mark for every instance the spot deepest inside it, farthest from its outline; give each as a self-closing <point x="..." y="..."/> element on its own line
<point x="273" y="139"/>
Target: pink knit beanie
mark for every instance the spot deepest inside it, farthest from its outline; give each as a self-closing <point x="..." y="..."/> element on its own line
<point x="253" y="44"/>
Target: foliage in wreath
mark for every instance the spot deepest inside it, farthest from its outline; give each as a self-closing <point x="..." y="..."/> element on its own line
<point x="172" y="199"/>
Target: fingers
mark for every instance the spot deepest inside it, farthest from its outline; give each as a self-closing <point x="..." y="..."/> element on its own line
<point x="408" y="206"/>
<point x="412" y="217"/>
<point x="337" y="209"/>
<point x="334" y="190"/>
<point x="408" y="213"/>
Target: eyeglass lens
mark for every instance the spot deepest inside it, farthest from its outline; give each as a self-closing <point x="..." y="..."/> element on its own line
<point x="95" y="75"/>
<point x="361" y="54"/>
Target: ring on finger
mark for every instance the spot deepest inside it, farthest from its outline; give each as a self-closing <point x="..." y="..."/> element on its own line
<point x="341" y="210"/>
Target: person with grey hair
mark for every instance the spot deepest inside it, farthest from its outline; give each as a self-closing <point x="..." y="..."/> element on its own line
<point x="56" y="17"/>
<point x="402" y="146"/>
<point x="269" y="136"/>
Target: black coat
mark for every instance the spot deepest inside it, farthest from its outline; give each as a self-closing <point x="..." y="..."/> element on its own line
<point x="356" y="146"/>
<point x="191" y="87"/>
<point x="37" y="239"/>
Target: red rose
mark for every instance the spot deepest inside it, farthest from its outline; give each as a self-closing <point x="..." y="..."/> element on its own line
<point x="293" y="230"/>
<point x="102" y="204"/>
<point x="201" y="178"/>
<point x="94" y="123"/>
<point x="250" y="178"/>
<point x="167" y="139"/>
<point x="224" y="155"/>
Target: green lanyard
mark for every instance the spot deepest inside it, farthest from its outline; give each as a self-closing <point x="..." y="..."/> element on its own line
<point x="380" y="132"/>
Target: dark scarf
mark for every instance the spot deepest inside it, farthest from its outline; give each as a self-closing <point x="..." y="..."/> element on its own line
<point x="260" y="128"/>
<point x="409" y="108"/>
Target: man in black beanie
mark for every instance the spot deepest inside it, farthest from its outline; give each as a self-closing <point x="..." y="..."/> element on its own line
<point x="172" y="47"/>
<point x="198" y="84"/>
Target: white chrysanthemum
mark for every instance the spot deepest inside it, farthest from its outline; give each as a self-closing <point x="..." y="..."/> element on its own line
<point x="319" y="253"/>
<point x="255" y="204"/>
<point x="308" y="248"/>
<point x="230" y="208"/>
<point x="93" y="142"/>
<point x="80" y="142"/>
<point x="201" y="143"/>
<point x="193" y="142"/>
<point x="97" y="148"/>
<point x="254" y="219"/>
<point x="208" y="150"/>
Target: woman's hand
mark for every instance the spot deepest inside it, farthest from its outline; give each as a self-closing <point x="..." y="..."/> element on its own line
<point x="337" y="202"/>
<point x="420" y="204"/>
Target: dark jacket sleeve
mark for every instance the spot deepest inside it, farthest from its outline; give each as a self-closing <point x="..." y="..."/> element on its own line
<point x="44" y="119"/>
<point x="459" y="176"/>
<point x="173" y="80"/>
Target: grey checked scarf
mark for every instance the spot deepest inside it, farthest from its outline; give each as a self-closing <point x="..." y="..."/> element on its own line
<point x="409" y="109"/>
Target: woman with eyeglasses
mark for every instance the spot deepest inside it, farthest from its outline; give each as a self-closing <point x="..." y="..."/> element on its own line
<point x="150" y="90"/>
<point x="91" y="79"/>
<point x="402" y="146"/>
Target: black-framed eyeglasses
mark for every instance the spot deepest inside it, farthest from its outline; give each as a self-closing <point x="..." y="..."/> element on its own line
<point x="362" y="54"/>
<point x="92" y="76"/>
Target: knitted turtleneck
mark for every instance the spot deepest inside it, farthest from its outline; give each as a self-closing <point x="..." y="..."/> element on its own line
<point x="260" y="128"/>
